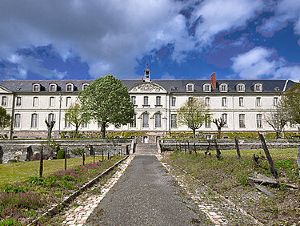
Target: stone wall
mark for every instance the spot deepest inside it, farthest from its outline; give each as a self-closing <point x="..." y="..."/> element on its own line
<point x="30" y="150"/>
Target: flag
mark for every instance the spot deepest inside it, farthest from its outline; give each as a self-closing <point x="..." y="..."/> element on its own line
<point x="213" y="81"/>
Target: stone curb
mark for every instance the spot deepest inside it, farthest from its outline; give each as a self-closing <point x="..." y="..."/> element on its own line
<point x="53" y="210"/>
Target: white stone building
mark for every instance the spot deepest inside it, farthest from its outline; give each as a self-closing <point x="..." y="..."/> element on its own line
<point x="243" y="104"/>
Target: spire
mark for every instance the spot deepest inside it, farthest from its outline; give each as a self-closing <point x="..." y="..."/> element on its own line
<point x="147" y="74"/>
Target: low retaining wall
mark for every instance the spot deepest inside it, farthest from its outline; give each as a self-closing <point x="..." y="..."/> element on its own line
<point x="26" y="150"/>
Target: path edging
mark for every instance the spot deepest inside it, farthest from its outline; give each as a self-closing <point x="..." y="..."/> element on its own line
<point x="54" y="209"/>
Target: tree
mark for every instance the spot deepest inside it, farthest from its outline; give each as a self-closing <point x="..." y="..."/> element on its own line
<point x="76" y="117"/>
<point x="278" y="118"/>
<point x="291" y="102"/>
<point x="50" y="125"/>
<point x="220" y="123"/>
<point x="106" y="100"/>
<point x="193" y="113"/>
<point x="4" y="119"/>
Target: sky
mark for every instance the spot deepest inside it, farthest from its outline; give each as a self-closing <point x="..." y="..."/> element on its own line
<point x="178" y="39"/>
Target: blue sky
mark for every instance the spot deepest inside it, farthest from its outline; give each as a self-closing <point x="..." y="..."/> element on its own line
<point x="179" y="39"/>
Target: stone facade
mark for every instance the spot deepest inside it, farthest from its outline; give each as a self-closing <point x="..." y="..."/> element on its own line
<point x="243" y="104"/>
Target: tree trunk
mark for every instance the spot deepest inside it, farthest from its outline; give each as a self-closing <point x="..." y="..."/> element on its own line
<point x="194" y="133"/>
<point x="103" y="130"/>
<point x="218" y="155"/>
<point x="219" y="132"/>
<point x="277" y="134"/>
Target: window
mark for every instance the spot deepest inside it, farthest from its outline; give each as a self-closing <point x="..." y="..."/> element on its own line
<point x="52" y="87"/>
<point x="258" y="87"/>
<point x="34" y="120"/>
<point x="259" y="120"/>
<point x="158" y="101"/>
<point x="173" y="121"/>
<point x="84" y="125"/>
<point x="189" y="87"/>
<point x="206" y="87"/>
<point x="275" y="101"/>
<point x="145" y="118"/>
<point x="224" y="101"/>
<point x="206" y="101"/>
<point x="51" y="101"/>
<point x="69" y="87"/>
<point x="84" y="86"/>
<point x="51" y="118"/>
<point x="133" y="100"/>
<point x="35" y="101"/>
<point x="157" y="118"/>
<point x="4" y="101"/>
<point x="258" y="102"/>
<point x="224" y="118"/>
<point x="36" y="87"/>
<point x="67" y="123"/>
<point x="133" y="123"/>
<point x="207" y="121"/>
<point x="68" y="101"/>
<point x="18" y="101"/>
<point x="146" y="100"/>
<point x="241" y="101"/>
<point x="173" y="101"/>
<point x="223" y="88"/>
<point x="17" y="121"/>
<point x="240" y="88"/>
<point x="242" y="120"/>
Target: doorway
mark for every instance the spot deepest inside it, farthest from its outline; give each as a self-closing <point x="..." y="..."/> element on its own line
<point x="145" y="139"/>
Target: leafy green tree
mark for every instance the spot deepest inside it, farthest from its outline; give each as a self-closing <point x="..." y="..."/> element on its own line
<point x="291" y="101"/>
<point x="4" y="118"/>
<point x="106" y="100"/>
<point x="193" y="113"/>
<point x="76" y="117"/>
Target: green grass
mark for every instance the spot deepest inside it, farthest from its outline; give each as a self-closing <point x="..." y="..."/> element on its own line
<point x="17" y="172"/>
<point x="229" y="177"/>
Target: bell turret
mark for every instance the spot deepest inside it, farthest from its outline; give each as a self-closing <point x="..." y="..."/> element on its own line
<point x="147" y="74"/>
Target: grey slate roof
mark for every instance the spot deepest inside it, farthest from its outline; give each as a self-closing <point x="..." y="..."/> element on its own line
<point x="175" y="86"/>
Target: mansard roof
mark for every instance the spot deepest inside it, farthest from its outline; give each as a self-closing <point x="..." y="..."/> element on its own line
<point x="171" y="86"/>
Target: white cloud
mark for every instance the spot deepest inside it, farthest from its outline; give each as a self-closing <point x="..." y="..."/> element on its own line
<point x="286" y="11"/>
<point x="112" y="35"/>
<point x="218" y="16"/>
<point x="259" y="62"/>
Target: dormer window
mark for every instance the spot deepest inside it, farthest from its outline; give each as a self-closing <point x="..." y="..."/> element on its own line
<point x="189" y="87"/>
<point x="36" y="87"/>
<point x="69" y="87"/>
<point x="52" y="87"/>
<point x="84" y="86"/>
<point x="240" y="87"/>
<point x="223" y="87"/>
<point x="258" y="87"/>
<point x="206" y="87"/>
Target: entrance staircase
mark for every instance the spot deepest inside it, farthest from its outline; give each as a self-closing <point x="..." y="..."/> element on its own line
<point x="146" y="149"/>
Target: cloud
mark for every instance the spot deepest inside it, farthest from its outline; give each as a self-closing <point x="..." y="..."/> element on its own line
<point x="217" y="16"/>
<point x="260" y="62"/>
<point x="285" y="12"/>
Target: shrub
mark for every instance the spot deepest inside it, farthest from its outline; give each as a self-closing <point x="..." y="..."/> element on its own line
<point x="60" y="154"/>
<point x="9" y="222"/>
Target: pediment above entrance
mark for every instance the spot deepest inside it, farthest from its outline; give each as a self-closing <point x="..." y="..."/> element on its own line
<point x="148" y="88"/>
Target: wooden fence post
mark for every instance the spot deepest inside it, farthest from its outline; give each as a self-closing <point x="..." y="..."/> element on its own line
<point x="268" y="155"/>
<point x="83" y="157"/>
<point x="66" y="155"/>
<point x="41" y="161"/>
<point x="218" y="155"/>
<point x="298" y="160"/>
<point x="237" y="147"/>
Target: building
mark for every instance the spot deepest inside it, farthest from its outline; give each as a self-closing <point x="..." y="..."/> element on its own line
<point x="242" y="104"/>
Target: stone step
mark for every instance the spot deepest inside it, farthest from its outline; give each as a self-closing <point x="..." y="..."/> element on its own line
<point x="146" y="149"/>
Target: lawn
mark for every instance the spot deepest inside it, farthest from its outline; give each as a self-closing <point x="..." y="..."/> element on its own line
<point x="16" y="172"/>
<point x="229" y="177"/>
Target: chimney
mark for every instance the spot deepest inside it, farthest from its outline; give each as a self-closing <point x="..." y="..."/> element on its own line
<point x="213" y="81"/>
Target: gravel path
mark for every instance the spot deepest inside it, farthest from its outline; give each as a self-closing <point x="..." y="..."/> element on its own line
<point x="145" y="195"/>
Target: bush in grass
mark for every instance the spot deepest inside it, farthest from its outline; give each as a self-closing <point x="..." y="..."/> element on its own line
<point x="60" y="154"/>
<point x="14" y="188"/>
<point x="9" y="222"/>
